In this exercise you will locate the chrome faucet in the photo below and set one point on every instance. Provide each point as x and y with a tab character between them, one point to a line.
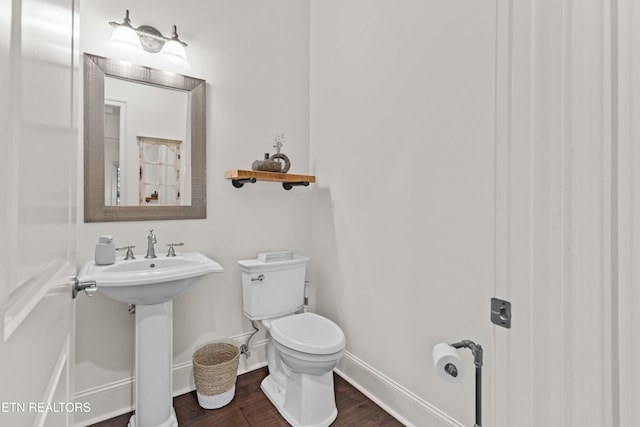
151	240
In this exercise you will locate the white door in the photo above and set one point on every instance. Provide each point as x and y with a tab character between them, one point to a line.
38	155
556	212
628	173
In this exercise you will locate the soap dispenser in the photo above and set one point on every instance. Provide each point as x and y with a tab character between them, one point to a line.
105	251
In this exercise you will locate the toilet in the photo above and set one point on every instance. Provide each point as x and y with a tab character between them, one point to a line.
303	348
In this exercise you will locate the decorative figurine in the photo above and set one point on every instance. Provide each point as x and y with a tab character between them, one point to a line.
273	163
266	165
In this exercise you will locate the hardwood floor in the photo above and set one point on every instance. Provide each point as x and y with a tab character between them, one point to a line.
250	407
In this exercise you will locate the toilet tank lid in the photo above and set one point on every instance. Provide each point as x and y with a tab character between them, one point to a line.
308	333
256	265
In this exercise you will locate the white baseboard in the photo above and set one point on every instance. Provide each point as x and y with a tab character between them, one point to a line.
106	401
110	400
391	396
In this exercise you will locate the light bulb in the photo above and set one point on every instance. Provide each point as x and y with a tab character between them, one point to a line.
175	51
126	37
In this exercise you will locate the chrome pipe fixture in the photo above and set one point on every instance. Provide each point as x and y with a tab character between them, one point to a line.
149	39
476	350
244	348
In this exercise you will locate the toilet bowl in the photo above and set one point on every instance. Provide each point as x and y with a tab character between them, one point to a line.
302	349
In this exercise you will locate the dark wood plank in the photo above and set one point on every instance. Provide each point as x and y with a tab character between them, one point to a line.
251	408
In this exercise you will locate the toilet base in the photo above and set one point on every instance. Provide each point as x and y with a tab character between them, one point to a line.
326	398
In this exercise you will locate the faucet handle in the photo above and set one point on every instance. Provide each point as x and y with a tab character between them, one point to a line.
172	251
129	254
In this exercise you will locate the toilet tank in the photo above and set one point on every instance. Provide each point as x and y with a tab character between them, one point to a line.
272	289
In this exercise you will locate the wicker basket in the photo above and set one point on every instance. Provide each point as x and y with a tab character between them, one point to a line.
215	368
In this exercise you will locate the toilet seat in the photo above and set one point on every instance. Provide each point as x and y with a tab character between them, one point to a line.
308	333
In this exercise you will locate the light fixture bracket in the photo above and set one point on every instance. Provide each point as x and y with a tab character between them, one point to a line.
150	38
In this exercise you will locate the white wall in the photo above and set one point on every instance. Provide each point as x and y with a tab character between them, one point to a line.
254	57
402	112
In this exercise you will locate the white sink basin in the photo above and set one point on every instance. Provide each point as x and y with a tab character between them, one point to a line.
148	281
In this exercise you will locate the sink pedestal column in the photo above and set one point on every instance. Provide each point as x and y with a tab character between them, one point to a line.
153	394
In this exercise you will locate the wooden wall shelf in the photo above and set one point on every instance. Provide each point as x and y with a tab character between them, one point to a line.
240	177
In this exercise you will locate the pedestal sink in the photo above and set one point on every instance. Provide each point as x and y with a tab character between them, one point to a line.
151	284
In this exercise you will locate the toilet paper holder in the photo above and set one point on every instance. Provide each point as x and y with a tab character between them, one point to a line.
476	350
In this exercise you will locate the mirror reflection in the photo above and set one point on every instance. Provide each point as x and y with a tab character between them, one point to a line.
146	145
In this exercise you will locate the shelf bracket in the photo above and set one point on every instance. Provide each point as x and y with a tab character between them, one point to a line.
238	183
289	185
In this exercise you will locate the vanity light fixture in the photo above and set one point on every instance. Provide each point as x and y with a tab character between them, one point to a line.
149	39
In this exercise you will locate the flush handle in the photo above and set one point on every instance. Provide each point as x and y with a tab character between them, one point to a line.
260	278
